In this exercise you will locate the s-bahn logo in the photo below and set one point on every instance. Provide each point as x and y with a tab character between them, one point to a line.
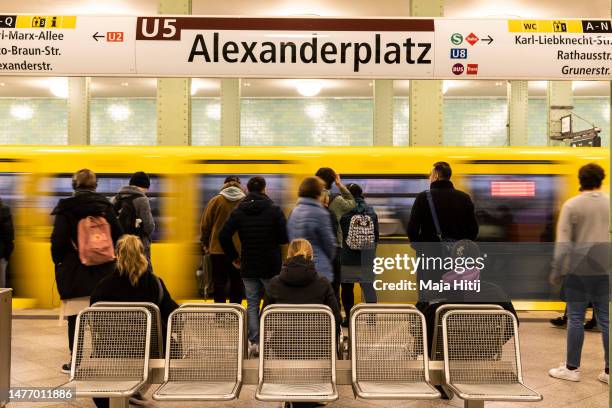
456	38
458	69
458	53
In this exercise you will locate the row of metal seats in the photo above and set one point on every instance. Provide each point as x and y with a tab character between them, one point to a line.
206	346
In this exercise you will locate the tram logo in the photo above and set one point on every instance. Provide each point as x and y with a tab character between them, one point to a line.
472	39
458	69
456	38
458	53
472	69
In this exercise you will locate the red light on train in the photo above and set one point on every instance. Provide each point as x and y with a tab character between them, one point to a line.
513	188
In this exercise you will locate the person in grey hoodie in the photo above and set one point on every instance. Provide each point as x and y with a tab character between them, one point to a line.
134	210
216	213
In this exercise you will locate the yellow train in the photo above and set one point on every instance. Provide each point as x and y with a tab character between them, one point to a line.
517	194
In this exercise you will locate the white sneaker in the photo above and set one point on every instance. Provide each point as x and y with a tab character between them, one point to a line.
563	373
253	350
603	377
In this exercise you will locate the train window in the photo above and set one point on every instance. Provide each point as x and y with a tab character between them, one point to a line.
209	185
514	208
392	197
9	189
60	186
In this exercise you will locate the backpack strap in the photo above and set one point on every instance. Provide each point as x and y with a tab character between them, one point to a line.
434	215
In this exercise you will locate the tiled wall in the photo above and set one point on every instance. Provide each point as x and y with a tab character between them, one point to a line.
315	122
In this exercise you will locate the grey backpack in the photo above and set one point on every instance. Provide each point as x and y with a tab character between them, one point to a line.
361	232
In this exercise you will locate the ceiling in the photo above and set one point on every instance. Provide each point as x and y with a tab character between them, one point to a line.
145	87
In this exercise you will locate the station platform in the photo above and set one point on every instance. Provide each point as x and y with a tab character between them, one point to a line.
39	349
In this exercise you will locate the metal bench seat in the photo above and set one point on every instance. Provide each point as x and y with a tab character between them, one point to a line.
297	360
111	351
205	348
495	392
389	353
205	390
482	359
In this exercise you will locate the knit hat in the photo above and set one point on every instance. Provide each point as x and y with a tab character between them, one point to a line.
140	179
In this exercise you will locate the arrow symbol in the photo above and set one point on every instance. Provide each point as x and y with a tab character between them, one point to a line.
488	40
97	35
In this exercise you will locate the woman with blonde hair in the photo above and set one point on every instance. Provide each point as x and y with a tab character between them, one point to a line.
299	282
133	279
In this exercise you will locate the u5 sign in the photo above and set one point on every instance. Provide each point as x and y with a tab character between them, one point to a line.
305	47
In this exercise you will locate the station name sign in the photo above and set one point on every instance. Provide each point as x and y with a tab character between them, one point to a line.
409	48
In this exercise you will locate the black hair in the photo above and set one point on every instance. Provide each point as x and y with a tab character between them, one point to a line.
328	175
465	249
591	175
443	170
355	190
256	184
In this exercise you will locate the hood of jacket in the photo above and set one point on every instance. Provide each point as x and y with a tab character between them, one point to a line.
126	191
309	201
83	204
255	203
298	271
232	193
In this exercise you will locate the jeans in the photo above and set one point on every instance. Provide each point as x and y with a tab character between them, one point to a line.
255	290
575	328
224	272
348	296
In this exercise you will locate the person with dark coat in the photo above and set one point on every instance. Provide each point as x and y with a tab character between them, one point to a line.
454	208
262	229
135	194
133	281
357	264
7	238
299	282
456	219
76	281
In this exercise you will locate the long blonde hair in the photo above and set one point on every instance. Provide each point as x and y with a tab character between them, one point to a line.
299	247
131	260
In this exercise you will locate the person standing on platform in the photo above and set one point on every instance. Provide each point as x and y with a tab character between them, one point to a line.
133	209
7	238
216	213
85	231
311	221
262	229
581	261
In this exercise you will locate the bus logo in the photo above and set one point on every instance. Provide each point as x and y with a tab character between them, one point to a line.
458	69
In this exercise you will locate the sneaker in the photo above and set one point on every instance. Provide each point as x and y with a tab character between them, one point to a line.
66	368
559	322
253	350
138	399
563	373
603	377
591	325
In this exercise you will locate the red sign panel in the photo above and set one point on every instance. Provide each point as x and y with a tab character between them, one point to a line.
472	69
513	188
114	36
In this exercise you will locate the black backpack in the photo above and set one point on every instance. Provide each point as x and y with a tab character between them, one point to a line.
126	214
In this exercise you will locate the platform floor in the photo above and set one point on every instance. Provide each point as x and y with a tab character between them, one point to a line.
39	349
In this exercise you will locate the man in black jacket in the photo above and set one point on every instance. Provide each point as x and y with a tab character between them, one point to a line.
262	229
75	281
455	212
454	208
7	236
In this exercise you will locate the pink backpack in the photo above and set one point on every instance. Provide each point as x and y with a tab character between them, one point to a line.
95	241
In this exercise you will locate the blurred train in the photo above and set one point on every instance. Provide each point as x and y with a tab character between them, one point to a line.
517	194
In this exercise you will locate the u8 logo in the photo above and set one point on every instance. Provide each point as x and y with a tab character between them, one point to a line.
458	53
